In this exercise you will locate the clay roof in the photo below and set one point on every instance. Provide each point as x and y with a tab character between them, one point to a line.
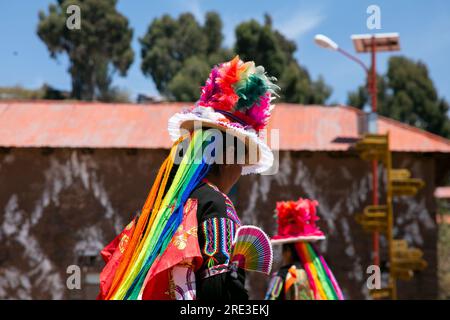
100	125
442	192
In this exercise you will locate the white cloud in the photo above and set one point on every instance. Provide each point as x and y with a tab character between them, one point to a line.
300	23
194	7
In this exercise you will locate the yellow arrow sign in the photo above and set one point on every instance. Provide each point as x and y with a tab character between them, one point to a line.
373	154
406	187
405	260
402	274
372	141
383	293
374	218
399	244
400	174
373	147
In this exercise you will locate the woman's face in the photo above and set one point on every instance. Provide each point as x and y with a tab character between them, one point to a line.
287	256
230	174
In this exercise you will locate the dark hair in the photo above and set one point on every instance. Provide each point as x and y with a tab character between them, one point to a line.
291	247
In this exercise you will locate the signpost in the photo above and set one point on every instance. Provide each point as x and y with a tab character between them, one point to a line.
403	260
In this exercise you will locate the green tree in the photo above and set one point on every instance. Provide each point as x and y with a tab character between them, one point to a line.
268	47
178	53
96	51
185	85
406	93
213	32
261	44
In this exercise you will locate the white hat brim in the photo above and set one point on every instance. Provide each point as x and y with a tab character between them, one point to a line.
297	239
212	119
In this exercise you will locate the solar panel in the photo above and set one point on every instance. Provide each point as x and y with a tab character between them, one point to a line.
383	42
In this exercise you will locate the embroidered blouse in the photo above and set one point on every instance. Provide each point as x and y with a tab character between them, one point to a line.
218	222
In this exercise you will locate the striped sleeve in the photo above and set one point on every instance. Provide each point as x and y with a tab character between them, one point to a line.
216	240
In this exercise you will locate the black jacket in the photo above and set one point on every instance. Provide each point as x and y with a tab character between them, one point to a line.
216	228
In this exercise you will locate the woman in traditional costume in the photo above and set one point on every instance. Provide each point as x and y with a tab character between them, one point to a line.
179	247
304	274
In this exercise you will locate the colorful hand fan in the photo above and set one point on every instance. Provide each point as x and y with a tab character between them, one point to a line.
252	250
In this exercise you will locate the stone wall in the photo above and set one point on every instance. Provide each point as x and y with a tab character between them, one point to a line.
61	206
342	185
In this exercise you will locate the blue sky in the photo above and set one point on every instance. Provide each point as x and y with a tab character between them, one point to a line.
424	28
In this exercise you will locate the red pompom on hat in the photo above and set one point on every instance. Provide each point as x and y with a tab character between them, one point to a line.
297	221
236	99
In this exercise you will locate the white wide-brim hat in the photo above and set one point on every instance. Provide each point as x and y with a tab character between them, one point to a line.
206	117
297	239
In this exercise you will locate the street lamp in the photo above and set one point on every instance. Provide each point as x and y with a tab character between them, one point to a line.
367	43
325	42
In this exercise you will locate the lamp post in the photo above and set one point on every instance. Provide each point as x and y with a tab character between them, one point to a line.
367	43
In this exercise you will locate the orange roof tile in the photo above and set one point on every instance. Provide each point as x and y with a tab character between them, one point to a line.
442	192
101	125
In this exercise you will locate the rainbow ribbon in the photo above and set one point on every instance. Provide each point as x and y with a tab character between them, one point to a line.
320	277
161	216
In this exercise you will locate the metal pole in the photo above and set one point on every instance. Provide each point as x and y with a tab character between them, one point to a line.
392	282
374	76
373	93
